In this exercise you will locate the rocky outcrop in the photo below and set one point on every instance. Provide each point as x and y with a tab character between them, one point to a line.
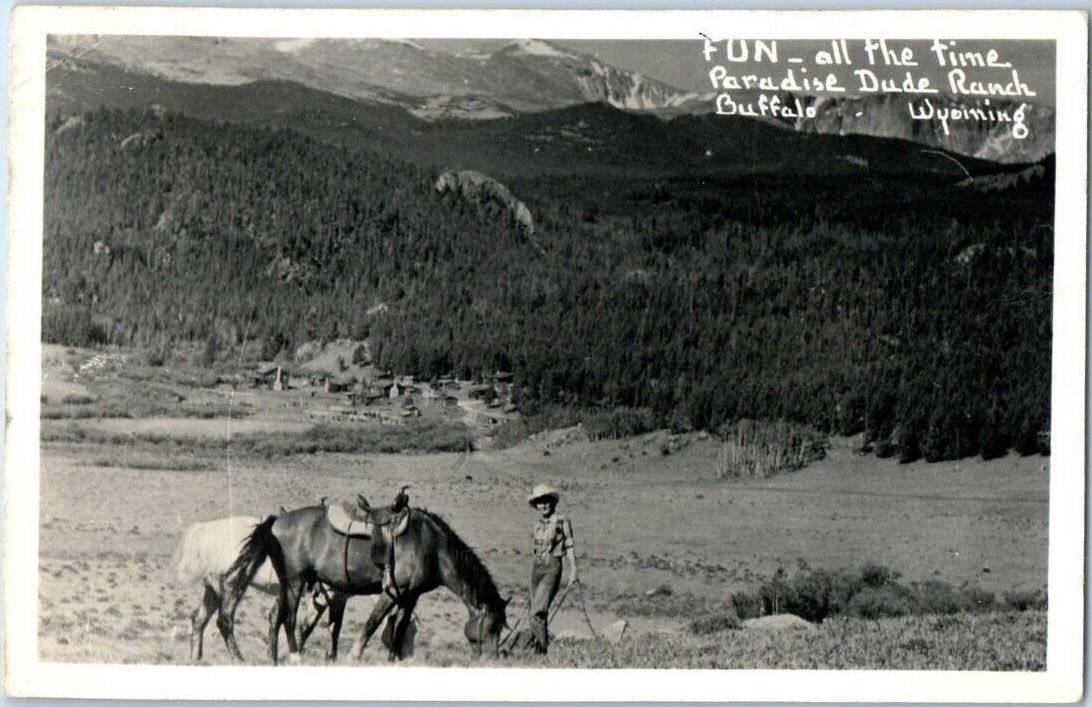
483	190
778	622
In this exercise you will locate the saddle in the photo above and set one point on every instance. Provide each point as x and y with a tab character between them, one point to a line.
379	525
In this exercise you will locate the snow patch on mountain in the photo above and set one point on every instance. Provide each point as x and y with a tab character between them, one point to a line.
628	90
536	47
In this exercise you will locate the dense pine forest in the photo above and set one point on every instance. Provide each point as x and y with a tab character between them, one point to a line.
909	308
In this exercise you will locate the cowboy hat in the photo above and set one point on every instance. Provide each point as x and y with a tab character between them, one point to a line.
542	491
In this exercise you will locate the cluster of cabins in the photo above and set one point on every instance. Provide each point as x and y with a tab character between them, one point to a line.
384	390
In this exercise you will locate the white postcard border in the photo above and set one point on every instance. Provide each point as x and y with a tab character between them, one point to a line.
26	676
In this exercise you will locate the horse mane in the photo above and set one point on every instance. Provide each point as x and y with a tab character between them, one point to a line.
470	571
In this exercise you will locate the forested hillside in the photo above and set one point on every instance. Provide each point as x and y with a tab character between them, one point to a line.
914	310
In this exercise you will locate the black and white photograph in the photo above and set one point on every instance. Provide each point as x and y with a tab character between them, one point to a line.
666	347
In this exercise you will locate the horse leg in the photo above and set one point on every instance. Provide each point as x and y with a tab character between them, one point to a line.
274	628
337	616
382	607
199	619
290	604
317	608
225	621
398	650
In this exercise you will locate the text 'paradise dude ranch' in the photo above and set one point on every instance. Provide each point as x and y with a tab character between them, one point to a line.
863	67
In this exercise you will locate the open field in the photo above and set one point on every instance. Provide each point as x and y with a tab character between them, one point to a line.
113	509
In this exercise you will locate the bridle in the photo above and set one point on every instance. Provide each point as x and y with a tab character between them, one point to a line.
484	614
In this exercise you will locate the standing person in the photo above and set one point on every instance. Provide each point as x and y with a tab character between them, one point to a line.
553	538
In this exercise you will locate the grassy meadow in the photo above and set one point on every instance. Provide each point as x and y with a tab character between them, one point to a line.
665	541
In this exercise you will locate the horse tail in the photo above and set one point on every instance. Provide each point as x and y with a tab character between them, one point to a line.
256	548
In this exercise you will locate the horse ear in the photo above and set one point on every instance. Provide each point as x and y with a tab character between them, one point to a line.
507	601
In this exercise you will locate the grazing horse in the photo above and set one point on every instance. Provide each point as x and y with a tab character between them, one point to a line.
204	556
423	556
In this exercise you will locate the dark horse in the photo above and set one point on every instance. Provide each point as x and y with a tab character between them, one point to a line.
304	549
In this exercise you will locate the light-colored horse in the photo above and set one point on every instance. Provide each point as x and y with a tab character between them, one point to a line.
203	557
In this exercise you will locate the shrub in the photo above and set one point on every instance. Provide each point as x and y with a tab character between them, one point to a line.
1024	599
873	575
85	412
717	623
156	356
813	595
763	449
510	433
819	594
882	602
977	598
777	596
747	606
424	436
885	448
873	592
934	597
77	399
619	422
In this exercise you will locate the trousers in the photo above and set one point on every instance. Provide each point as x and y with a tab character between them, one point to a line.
545	580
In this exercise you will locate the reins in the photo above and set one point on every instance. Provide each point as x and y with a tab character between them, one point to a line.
587	619
391	589
514	630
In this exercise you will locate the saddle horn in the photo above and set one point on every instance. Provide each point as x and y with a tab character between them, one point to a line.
401	499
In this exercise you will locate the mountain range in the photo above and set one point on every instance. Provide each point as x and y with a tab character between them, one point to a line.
409	83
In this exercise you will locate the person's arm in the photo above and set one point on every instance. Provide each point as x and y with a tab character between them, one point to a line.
570	551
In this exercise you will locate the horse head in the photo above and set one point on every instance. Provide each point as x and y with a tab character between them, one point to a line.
485	625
